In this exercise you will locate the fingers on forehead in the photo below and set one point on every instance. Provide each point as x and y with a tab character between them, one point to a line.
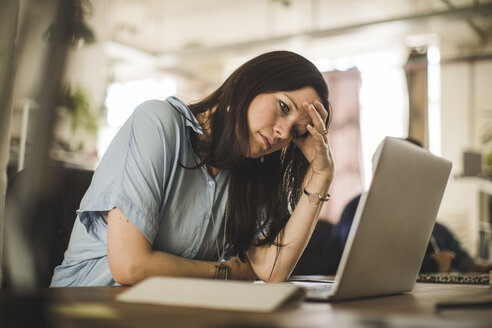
321	109
319	114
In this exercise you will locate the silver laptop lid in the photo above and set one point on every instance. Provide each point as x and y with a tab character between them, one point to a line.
393	222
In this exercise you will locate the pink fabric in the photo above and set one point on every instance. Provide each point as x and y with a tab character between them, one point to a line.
345	141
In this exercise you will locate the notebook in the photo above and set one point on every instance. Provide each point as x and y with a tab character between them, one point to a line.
391	228
213	294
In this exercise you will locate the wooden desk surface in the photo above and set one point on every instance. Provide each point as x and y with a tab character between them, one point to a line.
96	307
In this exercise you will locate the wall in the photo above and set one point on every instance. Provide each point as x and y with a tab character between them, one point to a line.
466	100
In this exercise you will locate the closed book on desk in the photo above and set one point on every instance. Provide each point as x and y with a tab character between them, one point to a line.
213	294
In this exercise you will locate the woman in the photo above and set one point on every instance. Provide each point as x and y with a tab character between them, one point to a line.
229	187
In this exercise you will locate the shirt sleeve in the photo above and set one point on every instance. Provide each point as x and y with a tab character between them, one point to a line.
461	259
132	174
429	264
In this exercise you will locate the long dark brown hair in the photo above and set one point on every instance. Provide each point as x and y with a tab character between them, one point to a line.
261	194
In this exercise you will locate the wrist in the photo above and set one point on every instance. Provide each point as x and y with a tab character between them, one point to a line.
319	183
239	270
315	198
222	271
316	186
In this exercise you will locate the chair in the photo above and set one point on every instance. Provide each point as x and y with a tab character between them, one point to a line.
48	220
314	259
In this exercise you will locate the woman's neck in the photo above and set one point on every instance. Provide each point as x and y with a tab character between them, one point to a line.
213	171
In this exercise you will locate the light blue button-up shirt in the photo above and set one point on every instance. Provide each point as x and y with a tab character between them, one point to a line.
175	208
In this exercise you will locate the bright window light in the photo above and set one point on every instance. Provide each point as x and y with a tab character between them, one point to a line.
383	104
383	98
434	96
123	98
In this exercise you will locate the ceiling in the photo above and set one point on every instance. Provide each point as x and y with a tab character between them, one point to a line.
190	36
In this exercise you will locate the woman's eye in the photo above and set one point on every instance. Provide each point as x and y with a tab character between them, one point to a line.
296	134
283	107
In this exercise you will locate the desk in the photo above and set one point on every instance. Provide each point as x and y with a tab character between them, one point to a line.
415	309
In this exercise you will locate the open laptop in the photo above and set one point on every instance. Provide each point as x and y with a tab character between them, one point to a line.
391	228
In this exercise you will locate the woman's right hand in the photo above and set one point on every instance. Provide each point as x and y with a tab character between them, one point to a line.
316	146
444	260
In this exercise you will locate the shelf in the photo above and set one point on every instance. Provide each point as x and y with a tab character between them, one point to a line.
485	186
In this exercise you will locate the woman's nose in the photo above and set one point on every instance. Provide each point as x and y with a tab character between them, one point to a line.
282	130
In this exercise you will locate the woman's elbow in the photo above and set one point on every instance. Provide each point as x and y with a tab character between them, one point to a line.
267	274
277	279
125	271
273	278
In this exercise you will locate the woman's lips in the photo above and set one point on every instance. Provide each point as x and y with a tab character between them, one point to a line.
266	141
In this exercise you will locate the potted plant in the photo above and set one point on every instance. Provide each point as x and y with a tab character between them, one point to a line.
77	125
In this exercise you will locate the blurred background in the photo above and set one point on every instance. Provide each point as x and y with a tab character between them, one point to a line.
419	68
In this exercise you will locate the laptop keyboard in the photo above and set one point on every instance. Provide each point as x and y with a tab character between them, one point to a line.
315	289
320	287
472	278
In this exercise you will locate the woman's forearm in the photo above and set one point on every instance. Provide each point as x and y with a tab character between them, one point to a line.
275	264
165	264
132	270
132	259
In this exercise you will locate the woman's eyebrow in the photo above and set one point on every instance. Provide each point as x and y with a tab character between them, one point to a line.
292	101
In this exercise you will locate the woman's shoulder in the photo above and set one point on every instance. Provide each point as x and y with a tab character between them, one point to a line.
158	109
169	112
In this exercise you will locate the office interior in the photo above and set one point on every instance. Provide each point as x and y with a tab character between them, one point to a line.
128	51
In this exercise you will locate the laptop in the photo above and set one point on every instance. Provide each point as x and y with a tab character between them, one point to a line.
391	228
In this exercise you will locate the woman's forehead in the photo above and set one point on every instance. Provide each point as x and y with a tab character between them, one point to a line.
304	94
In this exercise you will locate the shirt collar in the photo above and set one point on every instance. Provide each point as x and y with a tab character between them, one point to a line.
190	119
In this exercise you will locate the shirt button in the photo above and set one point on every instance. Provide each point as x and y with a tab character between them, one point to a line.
207	216
211	182
194	251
